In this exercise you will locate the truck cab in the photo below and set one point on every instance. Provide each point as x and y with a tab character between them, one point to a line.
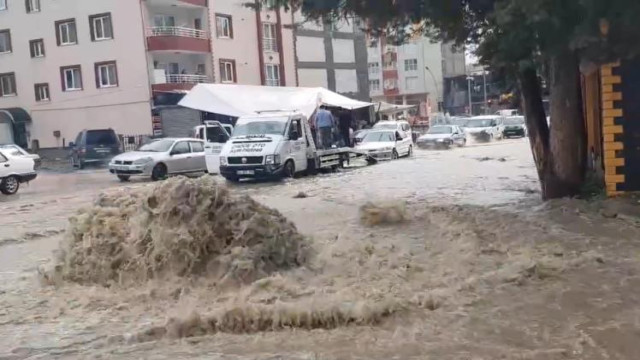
215	135
268	145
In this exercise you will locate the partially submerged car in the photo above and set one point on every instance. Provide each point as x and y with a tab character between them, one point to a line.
161	158
442	136
514	127
15	170
385	145
94	146
484	128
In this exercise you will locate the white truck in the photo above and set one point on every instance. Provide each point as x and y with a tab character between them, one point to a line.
278	144
215	135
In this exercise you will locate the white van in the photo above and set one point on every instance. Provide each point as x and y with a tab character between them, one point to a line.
215	135
275	145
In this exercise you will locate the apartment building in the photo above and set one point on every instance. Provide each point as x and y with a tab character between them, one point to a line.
332	55
66	65
412	73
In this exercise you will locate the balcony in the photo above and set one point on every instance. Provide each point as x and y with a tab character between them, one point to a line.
178	3
269	45
175	38
173	82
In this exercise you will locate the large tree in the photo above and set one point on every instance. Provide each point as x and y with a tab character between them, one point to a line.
521	37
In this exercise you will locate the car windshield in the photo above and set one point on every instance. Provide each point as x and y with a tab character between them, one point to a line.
101	137
385	136
440	130
13	150
514	121
157	146
260	127
386	126
479	123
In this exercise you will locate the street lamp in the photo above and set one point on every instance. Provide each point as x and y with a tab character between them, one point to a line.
469	80
435	82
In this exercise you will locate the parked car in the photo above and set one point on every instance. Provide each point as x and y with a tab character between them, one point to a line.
161	158
443	136
14	170
359	135
385	145
94	146
15	150
514	126
484	128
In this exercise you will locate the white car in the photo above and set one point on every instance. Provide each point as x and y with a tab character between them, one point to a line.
15	150
443	136
160	159
15	170
385	145
484	128
400	126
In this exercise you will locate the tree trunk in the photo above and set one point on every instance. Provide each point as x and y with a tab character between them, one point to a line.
568	134
536	121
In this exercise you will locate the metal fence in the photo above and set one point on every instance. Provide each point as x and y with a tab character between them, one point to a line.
133	142
177	31
187	78
270	45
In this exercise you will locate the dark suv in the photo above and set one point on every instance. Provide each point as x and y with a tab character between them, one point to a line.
94	146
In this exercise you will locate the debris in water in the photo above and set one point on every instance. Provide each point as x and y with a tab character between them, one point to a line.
301	195
180	227
383	214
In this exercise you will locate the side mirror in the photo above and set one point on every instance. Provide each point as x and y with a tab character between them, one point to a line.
72	144
294	135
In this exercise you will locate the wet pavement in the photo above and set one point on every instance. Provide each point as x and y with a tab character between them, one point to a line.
483	270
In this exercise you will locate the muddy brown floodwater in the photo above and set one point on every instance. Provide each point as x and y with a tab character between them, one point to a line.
480	269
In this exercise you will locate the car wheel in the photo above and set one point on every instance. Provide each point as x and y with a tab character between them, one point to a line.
289	169
394	154
10	185
159	172
124	178
410	153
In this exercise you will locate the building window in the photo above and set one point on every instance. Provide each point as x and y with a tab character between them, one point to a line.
71	78
269	41
66	32
37	48
3	5
224	27
32	6
42	92
411	65
101	27
106	74
411	82
272	73
8	84
227	71
374	68
374	85
5	41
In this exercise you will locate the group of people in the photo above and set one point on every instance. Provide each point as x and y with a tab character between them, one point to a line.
332	128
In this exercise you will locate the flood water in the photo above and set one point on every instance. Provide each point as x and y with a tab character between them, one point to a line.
481	270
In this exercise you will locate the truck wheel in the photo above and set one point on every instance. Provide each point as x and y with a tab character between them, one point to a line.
10	185
124	178
159	172
233	179
289	169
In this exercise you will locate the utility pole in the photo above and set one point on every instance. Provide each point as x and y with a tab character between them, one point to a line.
469	80
486	104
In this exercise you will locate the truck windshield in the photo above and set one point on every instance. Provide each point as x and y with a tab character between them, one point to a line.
260	127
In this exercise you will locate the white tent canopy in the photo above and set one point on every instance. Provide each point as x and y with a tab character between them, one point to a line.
386	108
242	100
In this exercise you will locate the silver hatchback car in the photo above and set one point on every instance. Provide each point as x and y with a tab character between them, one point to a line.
161	158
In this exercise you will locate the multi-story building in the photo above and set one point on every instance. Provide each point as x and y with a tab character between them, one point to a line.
68	65
332	55
412	73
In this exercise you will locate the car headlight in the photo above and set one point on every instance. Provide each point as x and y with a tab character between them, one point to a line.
272	159
142	161
223	161
441	140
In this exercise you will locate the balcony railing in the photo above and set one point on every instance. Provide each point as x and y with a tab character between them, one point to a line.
186	79
272	82
177	31
270	45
